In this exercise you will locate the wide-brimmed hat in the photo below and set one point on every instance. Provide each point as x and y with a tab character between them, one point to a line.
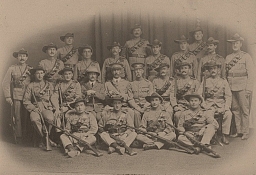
86	46
116	66
155	43
114	45
21	51
235	37
161	66
187	97
79	99
110	100
182	39
198	28
183	63
211	63
153	95
211	40
61	72
138	65
51	45
32	71
136	26
67	35
93	69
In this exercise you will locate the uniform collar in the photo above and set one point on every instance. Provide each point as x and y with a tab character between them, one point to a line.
116	80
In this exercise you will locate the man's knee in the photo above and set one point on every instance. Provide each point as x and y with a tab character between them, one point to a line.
48	115
34	117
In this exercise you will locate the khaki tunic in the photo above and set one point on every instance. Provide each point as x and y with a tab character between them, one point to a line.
63	51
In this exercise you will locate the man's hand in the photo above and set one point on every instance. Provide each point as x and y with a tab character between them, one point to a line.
91	92
64	109
9	100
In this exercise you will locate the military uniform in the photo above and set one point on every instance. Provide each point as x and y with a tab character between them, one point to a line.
165	88
42	91
125	71
137	91
218	98
183	87
239	68
200	124
52	67
155	61
95	102
14	85
154	121
179	56
68	54
83	126
115	123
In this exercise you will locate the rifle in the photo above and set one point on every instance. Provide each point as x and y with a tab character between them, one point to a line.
122	143
61	104
13	120
48	145
204	84
196	143
164	140
97	153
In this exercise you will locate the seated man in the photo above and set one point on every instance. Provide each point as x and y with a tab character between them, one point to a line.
154	121
164	86
113	129
81	124
64	93
218	96
137	91
199	123
94	92
37	101
118	86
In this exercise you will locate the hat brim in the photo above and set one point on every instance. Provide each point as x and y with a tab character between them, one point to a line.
193	32
134	29
72	105
15	54
80	49
61	72
62	38
110	47
32	71
214	42
187	97
233	40
178	66
87	72
158	69
45	48
180	41
148	98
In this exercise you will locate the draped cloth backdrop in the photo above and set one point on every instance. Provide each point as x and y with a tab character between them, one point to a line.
101	29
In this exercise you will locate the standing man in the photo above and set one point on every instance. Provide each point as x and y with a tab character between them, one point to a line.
14	85
37	101
164	86
68	54
93	92
80	74
51	65
199	123
81	124
153	61
115	49
218	96
119	86
154	121
136	49
113	129
65	93
211	55
198	45
137	91
184	84
183	56
239	67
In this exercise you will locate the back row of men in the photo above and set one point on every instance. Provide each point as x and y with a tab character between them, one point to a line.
61	79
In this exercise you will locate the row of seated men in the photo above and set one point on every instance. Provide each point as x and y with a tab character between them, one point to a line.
42	98
215	90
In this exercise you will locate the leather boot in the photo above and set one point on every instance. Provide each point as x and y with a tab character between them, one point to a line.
245	136
224	139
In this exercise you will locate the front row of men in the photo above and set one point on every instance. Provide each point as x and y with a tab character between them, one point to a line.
115	123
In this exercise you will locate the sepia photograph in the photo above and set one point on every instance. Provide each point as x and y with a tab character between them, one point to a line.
128	87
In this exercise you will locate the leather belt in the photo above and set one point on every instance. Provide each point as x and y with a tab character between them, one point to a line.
138	55
219	97
237	74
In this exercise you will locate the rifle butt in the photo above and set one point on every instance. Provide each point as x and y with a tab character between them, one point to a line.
47	141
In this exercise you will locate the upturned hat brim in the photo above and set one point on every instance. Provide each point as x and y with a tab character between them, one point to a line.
154	95
15	54
45	48
188	96
72	105
32	71
161	66
61	72
81	49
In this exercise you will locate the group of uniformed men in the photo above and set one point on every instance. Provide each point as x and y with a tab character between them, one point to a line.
133	90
